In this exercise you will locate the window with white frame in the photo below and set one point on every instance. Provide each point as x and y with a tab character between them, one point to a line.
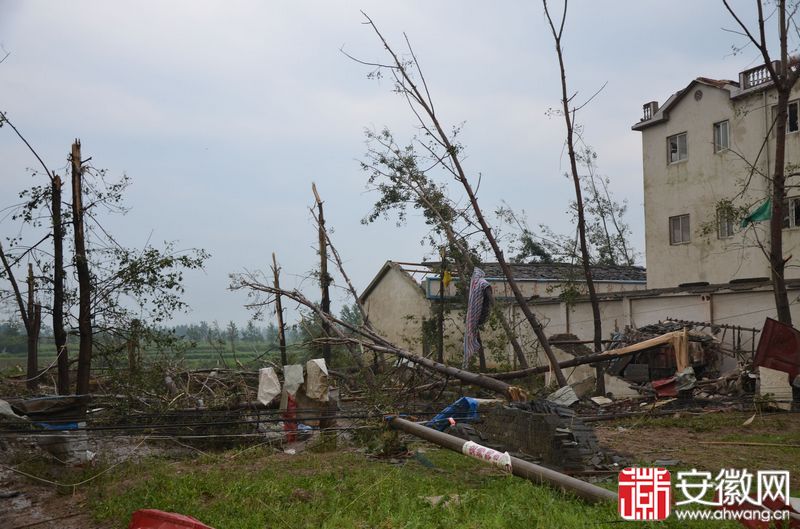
791	212
676	148
679	229
725	223
721	136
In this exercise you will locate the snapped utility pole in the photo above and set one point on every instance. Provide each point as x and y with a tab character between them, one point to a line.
324	278
276	272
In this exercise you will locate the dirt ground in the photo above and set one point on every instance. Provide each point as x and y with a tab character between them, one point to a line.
24	504
687	439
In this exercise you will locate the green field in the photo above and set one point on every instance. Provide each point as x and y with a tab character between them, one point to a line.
199	356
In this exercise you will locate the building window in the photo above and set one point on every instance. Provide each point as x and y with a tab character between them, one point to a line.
721	138
791	213
679	229
725	223
676	148
792	117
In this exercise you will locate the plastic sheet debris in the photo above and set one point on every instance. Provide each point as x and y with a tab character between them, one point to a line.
317	380
68	447
685	379
444	501
269	386
292	378
6	411
464	409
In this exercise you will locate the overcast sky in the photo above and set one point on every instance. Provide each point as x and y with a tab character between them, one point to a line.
223	113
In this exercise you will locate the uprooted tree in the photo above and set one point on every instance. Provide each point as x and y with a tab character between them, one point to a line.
355	336
409	82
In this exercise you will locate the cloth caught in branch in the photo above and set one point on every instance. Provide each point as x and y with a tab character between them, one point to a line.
478	304
447	277
764	212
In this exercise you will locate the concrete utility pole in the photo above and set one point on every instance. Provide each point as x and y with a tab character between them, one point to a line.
519	467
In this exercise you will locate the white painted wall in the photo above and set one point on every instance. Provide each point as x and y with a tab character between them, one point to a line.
696	185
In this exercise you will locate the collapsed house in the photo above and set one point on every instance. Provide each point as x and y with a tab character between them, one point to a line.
403	301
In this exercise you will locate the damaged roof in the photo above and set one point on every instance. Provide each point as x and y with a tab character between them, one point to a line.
561	271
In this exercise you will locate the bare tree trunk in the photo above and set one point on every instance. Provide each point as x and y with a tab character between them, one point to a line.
467	271
133	347
587	267
783	79
27	314
59	333
324	278
33	327
279	310
776	260
440	319
82	269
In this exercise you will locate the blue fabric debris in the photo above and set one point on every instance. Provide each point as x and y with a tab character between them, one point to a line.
59	426
464	409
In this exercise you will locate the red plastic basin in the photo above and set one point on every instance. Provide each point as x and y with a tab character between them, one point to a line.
155	519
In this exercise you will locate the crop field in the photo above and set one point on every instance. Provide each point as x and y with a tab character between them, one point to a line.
193	357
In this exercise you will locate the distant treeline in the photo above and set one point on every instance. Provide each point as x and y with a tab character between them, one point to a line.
251	333
13	339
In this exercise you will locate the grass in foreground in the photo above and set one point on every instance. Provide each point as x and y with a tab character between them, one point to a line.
345	489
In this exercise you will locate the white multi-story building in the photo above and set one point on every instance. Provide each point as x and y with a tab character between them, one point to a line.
709	143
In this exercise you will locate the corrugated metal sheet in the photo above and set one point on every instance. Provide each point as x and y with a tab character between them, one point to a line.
779	348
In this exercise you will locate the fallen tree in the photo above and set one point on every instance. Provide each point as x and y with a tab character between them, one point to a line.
362	336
